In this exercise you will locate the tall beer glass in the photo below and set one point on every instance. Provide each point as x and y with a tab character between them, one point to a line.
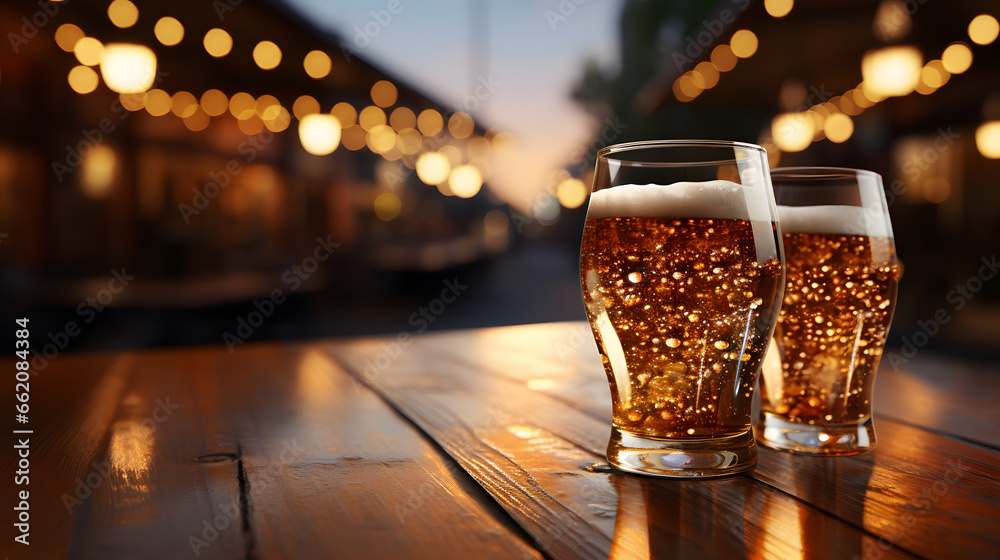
681	269
840	292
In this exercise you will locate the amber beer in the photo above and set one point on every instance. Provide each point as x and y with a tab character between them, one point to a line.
680	304
839	297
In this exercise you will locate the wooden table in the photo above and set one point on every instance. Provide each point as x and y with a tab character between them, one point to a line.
470	444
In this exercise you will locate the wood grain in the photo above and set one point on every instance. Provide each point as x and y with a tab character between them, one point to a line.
532	451
917	488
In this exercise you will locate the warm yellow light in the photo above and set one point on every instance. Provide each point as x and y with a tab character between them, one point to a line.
251	125
370	117
381	139
157	102
267	55
319	133
183	104
957	58
705	75
571	192
723	58
408	141
891	71
88	51
504	143
465	181
353	137
83	79
778	8
198	120
433	168
838	127
128	68
214	102
168	31
387	206
384	94
67	35
847	105
132	101
242	105
792	132
267	107
460	125
217	42
280	121
496	222
98	171
988	139
317	64
983	29
934	74
305	105
892	20
430	122
123	13
402	117
689	86
743	43
345	113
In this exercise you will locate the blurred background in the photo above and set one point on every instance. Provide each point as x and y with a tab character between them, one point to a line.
173	172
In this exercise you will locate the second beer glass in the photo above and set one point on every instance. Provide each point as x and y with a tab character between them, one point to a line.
681	270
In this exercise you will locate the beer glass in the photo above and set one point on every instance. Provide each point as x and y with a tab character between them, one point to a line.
681	270
840	292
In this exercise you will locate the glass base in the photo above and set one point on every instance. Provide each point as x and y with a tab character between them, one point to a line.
814	439
682	458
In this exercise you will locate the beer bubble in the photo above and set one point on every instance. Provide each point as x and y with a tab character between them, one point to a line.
693	318
721	344
635	277
699	266
673	342
814	402
678	275
634	416
828	417
818	318
690	431
884	304
716	270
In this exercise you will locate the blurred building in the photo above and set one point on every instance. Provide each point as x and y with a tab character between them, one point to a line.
171	139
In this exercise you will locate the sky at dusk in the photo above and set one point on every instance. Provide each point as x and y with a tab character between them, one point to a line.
529	52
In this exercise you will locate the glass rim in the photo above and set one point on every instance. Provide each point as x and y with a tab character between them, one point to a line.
820	172
604	152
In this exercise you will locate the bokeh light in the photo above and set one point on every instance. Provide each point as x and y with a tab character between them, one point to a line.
957	58
214	102
317	64
465	181
98	171
217	42
370	117
267	55
305	105
88	51
168	31
319	133
743	43
183	104
83	79
983	29
988	139
387	206
430	122
157	102
838	127
433	168
723	58
345	113
792	132
778	8
123	13
402	117
242	105
384	94
891	71
67	35
128	68
460	125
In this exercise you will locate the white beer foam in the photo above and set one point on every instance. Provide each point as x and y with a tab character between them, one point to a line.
834	220
710	199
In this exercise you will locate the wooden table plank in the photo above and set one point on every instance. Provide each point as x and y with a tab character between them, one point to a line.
900	482
532	453
330	467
